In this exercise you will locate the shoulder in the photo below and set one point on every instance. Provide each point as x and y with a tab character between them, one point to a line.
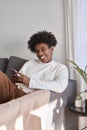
28	65
60	66
30	62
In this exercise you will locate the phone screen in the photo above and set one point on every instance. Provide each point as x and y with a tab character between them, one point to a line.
14	72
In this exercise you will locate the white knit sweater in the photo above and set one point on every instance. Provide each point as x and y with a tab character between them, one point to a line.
50	76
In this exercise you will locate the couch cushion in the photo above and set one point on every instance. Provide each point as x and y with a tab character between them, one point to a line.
16	63
3	64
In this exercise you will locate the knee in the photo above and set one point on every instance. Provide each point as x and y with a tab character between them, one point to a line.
2	75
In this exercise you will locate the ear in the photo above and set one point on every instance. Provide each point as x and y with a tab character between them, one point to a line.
52	48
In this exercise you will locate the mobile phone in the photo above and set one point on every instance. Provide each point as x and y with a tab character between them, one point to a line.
15	72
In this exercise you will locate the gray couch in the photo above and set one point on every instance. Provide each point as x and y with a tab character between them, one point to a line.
58	115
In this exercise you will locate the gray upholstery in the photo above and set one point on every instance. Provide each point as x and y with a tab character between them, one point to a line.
64	116
3	64
14	62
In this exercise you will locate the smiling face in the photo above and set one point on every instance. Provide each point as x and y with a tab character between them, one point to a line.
44	52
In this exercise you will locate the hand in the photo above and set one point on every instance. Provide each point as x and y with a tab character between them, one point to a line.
25	80
20	78
16	77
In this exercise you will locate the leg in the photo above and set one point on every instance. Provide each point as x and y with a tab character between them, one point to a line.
8	90
85	128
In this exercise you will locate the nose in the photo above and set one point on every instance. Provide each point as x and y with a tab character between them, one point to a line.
40	53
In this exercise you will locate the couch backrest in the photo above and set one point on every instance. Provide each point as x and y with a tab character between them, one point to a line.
3	64
16	63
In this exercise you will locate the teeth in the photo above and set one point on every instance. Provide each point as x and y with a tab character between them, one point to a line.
42	57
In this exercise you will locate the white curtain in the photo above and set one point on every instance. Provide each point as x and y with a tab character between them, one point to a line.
70	32
82	47
82	32
76	36
76	40
82	37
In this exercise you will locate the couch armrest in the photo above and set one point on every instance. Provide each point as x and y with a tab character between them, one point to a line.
26	110
40	110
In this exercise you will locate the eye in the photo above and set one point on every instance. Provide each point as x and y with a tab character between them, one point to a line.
37	51
43	49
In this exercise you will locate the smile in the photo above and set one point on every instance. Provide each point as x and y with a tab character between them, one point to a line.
42	57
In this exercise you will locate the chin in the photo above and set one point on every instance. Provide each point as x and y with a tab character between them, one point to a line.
45	61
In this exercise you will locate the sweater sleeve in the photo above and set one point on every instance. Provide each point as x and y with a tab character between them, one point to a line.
58	85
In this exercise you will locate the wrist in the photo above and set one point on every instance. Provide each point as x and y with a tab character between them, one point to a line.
25	80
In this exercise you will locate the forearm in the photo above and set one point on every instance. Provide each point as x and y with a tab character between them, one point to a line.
56	86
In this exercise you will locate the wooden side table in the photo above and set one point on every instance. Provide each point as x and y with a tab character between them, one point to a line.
78	112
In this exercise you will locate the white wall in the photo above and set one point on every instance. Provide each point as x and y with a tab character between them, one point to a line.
19	19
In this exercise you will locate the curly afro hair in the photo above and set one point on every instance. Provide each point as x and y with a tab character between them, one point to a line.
41	37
